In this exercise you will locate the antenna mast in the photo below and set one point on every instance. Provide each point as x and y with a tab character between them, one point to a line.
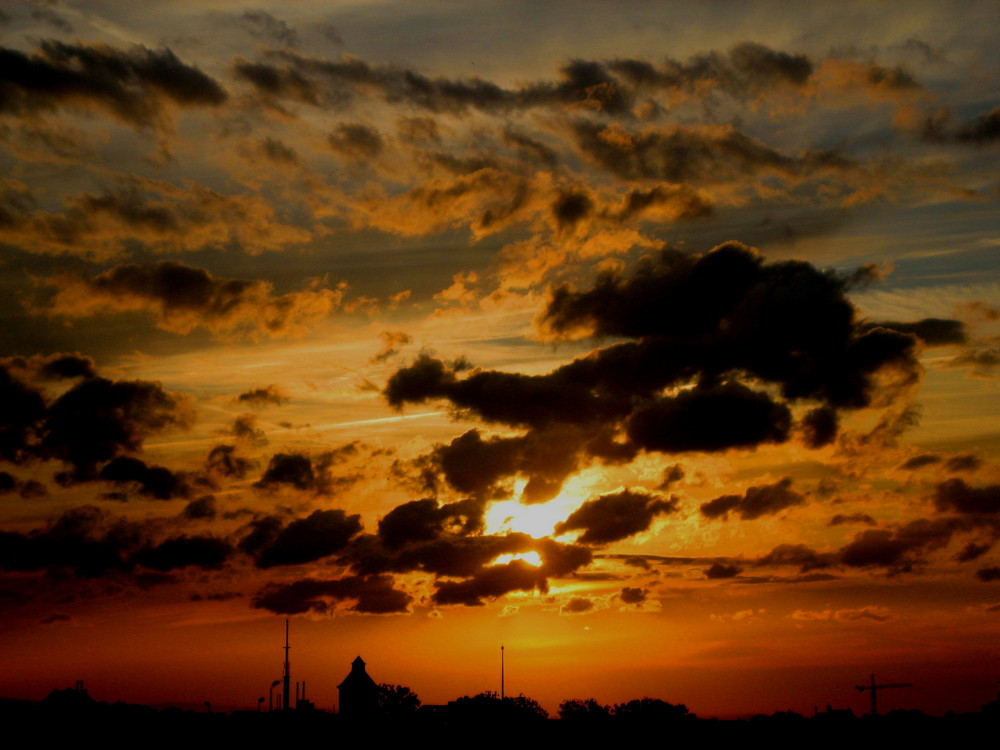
287	680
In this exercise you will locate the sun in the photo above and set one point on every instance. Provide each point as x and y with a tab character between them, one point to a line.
538	519
532	558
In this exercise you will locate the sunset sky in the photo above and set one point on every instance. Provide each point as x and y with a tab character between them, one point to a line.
657	341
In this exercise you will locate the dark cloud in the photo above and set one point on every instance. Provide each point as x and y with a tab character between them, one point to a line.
987	575
747	71
130	210
24	409
222	462
441	542
182	298
671	475
184	551
760	501
583	85
260	533
274	83
672	202
222	596
28	489
546	457
982	130
632	595
51	367
903	548
307	473
571	207
983	361
245	430
392	342
578	605
959	462
710	419
278	152
973	551
819	427
877	547
265	26
131	85
932	331
798	555
448	555
853	518
617	516
897	77
725	324
963	462
721	570
293	469
426	520
929	53
919	462
98	420
261	397
490	583
786	322
370	594
201	508
84	541
356	140
689	154
321	534
529	147
157	482
956	495
418	129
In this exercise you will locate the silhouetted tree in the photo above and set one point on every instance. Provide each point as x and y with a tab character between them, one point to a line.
584	710
487	706
651	709
523	707
397	700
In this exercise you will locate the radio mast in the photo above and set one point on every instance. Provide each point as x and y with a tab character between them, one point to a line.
287	680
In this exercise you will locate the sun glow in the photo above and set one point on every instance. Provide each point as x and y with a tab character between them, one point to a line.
537	519
532	558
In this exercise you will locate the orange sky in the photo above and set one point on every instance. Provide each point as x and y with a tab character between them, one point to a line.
657	342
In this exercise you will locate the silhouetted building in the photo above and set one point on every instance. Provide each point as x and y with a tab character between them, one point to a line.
358	692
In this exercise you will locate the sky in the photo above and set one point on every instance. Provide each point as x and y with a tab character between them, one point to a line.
657	342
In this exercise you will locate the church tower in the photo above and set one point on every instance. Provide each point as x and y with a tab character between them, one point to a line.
358	692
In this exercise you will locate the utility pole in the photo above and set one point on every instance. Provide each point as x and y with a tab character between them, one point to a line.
501	673
873	688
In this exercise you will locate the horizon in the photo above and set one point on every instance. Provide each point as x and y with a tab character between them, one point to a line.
658	342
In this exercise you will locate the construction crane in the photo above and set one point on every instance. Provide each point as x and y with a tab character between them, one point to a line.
874	688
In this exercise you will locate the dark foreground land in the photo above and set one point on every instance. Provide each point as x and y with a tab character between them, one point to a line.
121	724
